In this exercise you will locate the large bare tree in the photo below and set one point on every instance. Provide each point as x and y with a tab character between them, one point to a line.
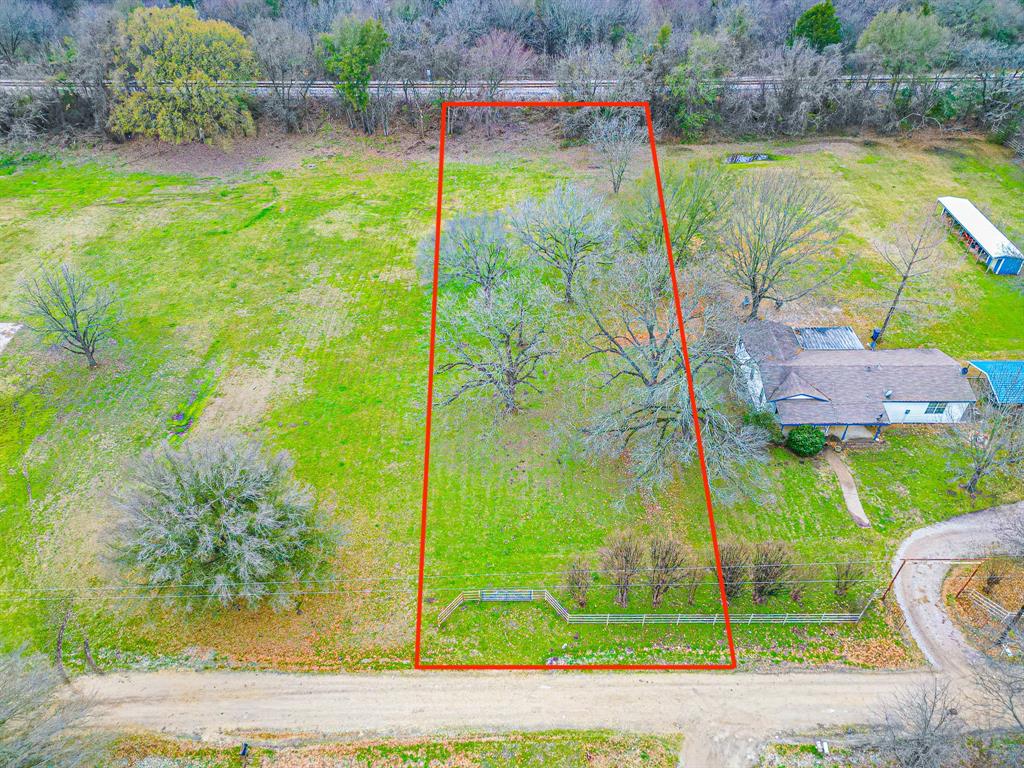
475	251
40	725
616	137
695	203
782	222
66	307
920	727
647	412
992	443
567	230
910	252
495	344
288	62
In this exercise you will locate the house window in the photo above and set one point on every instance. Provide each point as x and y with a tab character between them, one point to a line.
936	408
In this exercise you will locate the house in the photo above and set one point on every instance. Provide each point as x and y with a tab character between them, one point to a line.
1005	379
825	377
980	235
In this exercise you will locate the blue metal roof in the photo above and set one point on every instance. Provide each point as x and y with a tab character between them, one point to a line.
1006	377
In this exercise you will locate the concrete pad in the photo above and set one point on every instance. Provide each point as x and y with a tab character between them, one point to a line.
7	331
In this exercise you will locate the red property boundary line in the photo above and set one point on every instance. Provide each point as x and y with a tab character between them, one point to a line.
417	662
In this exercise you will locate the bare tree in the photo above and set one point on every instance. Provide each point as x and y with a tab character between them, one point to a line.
668	561
735	557
68	308
648	413
772	566
567	230
583	75
497	57
622	559
781	221
1001	685
991	444
475	250
578	578
920	727
40	725
694	204
616	137
497	343
24	27
845	576
287	60
911	252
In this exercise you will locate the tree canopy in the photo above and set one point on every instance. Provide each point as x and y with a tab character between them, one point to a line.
350	53
819	26
904	42
166	72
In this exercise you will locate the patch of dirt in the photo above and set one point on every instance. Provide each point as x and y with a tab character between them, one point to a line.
245	394
265	152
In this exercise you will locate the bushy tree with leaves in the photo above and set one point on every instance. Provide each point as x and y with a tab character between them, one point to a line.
819	26
219	520
349	54
166	74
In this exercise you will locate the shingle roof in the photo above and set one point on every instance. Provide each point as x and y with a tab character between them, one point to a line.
853	382
1006	377
986	233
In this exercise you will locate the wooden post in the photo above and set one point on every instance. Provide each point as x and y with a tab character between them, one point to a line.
961	590
885	594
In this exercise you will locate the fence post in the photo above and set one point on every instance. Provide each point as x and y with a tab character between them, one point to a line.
961	590
885	594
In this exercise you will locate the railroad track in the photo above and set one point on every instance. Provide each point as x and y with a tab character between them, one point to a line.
538	89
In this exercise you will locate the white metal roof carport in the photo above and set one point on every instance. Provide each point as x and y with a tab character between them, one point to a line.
977	225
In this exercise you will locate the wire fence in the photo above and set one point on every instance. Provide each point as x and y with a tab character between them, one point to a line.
643	619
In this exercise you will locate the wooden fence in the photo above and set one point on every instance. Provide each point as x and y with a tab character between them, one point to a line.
542	595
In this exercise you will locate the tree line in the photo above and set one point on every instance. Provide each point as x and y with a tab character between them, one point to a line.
152	70
661	564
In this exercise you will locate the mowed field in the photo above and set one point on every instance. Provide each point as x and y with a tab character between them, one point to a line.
284	304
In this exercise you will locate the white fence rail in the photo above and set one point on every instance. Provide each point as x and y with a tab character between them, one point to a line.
991	607
643	619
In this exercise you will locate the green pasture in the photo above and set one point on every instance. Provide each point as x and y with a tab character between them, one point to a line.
284	304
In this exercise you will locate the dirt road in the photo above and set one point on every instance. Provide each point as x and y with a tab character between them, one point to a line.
724	717
919	586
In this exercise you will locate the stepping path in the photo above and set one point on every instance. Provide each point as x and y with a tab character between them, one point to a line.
848	486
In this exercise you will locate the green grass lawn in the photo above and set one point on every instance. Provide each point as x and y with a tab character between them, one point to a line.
284	304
